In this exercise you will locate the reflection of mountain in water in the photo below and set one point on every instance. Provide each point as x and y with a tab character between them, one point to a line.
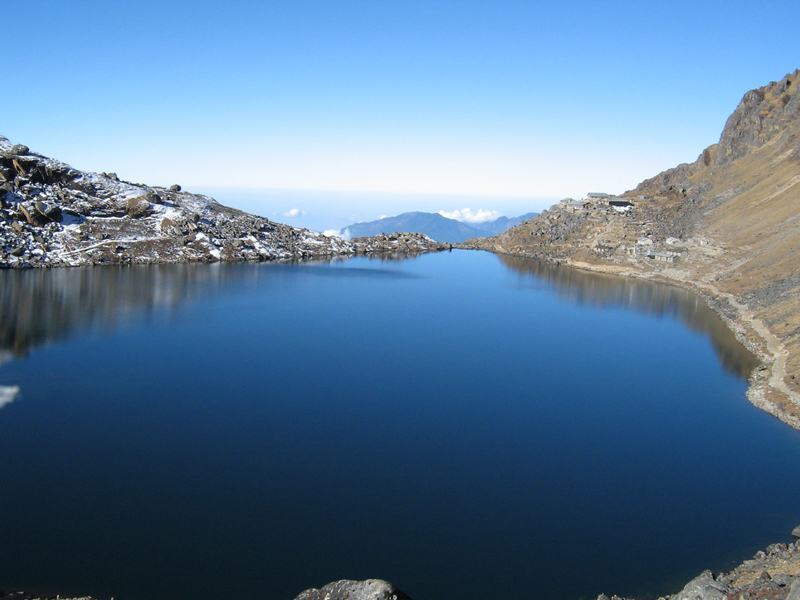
38	305
659	299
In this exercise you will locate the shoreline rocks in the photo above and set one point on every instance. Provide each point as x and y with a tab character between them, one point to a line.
773	574
371	589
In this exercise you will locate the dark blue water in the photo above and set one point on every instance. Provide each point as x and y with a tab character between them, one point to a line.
460	425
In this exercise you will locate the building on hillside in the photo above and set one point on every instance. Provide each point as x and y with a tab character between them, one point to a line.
597	196
668	257
620	204
577	205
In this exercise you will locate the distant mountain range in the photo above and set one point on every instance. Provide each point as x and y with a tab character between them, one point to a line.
435	226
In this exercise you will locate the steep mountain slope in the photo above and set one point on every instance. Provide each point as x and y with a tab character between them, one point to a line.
727	225
53	215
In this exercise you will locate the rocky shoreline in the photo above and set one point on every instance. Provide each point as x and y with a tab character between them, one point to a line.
742	321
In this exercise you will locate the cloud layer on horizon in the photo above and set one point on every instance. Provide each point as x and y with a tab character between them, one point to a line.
466	215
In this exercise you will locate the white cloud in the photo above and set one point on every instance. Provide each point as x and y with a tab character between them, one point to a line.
7	394
466	215
331	233
295	212
345	234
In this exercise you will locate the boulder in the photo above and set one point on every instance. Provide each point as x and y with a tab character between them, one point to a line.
33	216
25	213
175	188
19	150
794	591
371	589
704	587
54	213
138	207
19	168
796	532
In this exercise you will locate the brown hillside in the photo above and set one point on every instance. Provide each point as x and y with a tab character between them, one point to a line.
727	225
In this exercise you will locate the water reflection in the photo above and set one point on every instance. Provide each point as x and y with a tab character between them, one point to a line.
39	306
596	289
7	394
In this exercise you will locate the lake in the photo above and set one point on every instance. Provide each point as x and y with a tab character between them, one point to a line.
460	424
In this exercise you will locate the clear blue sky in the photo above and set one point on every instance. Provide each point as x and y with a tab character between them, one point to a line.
496	105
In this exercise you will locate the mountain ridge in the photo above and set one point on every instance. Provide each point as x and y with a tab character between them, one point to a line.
435	225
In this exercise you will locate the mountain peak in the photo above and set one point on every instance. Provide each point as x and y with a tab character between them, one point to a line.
763	115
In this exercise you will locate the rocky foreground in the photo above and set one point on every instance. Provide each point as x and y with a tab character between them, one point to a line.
726	226
52	215
773	574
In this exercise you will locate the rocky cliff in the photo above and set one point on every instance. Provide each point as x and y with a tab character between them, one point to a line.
727	226
52	215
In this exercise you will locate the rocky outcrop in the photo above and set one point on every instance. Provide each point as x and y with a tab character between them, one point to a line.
773	575
397	243
371	589
762	116
52	215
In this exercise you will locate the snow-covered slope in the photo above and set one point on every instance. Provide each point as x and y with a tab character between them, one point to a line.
53	215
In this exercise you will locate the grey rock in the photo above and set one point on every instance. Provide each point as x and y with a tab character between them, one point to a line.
704	587
796	532
19	150
371	589
776	548
175	188
763	582
138	207
794	591
54	214
783	579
